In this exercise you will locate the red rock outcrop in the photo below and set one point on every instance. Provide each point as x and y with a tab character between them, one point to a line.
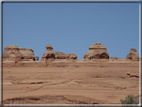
12	53
96	51
36	58
115	59
71	56
133	75
28	54
59	55
49	48
133	55
50	55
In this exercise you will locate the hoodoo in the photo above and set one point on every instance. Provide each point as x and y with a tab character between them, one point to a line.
96	51
133	55
49	48
50	55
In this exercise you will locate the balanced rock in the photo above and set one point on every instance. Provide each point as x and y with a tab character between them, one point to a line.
48	54
133	55
96	51
49	48
12	53
28	54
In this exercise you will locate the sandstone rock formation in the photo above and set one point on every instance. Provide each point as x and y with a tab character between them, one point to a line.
50	55
28	54
12	53
36	58
133	55
115	59
59	55
133	75
71	56
47	55
49	48
96	51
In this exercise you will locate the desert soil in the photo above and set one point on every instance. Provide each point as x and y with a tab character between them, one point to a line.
97	83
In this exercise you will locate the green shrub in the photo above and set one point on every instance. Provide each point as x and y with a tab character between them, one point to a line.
129	100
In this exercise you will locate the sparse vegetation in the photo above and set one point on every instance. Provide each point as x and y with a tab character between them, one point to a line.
129	100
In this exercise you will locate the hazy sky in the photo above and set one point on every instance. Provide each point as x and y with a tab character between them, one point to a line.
72	27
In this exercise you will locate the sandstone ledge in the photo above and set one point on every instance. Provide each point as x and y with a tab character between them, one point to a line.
65	63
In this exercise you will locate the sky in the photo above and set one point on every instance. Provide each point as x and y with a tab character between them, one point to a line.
72	27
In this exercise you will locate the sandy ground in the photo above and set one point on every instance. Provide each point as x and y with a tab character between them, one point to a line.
78	84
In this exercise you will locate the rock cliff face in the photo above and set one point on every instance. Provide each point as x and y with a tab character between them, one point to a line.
133	55
50	55
96	51
14	53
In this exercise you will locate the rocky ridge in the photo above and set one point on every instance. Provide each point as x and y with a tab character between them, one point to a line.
50	55
97	52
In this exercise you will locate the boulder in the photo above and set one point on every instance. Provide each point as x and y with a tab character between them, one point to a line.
12	53
36	58
96	51
59	55
28	54
49	48
115	59
70	56
133	55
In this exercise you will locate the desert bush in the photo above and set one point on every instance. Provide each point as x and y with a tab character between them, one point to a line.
129	100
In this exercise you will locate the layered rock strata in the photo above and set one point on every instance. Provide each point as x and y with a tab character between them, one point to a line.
14	53
28	54
115	59
96	51
50	55
133	55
